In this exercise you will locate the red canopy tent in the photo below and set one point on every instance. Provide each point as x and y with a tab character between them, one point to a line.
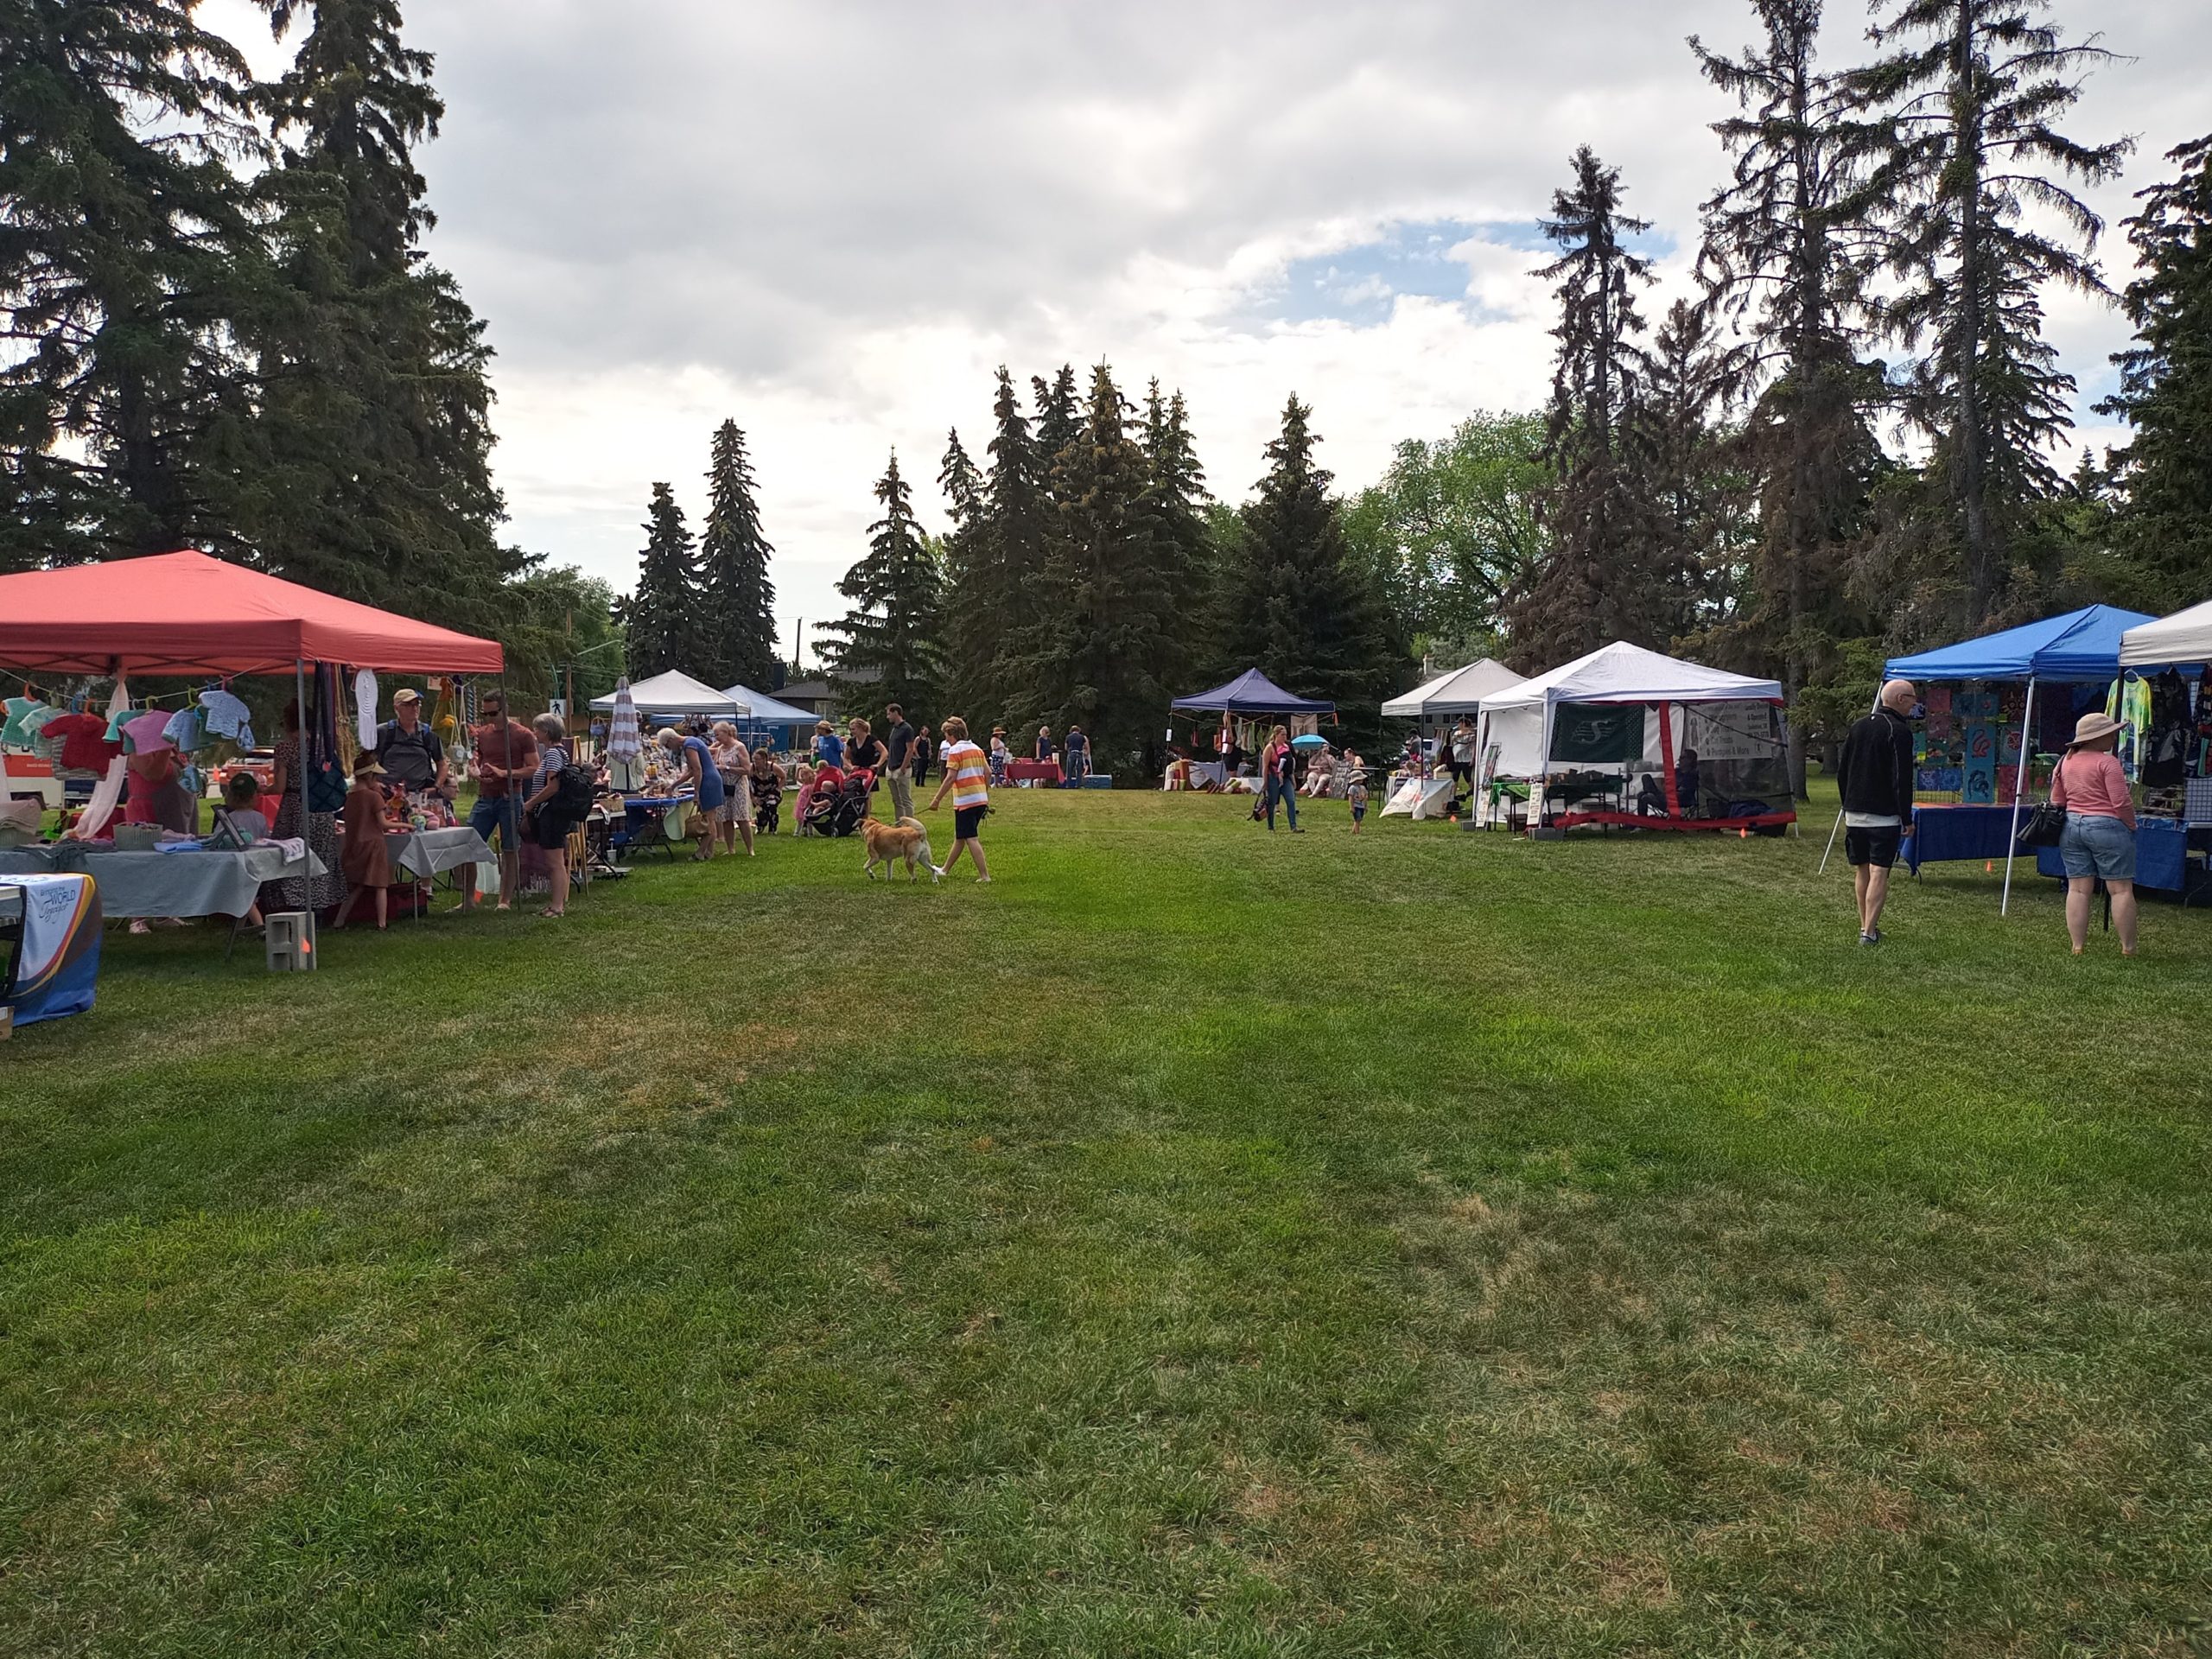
186	614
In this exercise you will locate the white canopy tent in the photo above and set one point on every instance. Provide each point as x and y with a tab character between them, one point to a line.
1563	718
676	693
1460	692
2184	637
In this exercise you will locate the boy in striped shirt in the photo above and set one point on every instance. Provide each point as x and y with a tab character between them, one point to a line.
967	774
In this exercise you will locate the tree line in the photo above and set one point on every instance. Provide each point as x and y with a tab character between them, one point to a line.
1086	575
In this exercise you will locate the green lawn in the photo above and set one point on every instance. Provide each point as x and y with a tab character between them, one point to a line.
1195	1241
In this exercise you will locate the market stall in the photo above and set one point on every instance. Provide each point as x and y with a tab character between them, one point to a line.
1250	706
667	698
187	615
769	719
1631	737
1998	709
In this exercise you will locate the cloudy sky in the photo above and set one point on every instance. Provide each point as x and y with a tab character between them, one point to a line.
831	220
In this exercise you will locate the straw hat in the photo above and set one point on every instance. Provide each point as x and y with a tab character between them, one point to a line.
367	767
2092	727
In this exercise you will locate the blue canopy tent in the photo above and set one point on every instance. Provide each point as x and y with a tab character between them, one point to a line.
1251	694
766	714
2081	646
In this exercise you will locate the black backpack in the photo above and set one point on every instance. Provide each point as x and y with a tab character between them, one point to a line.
573	798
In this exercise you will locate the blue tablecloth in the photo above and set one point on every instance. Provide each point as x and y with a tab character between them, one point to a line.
2161	862
1946	834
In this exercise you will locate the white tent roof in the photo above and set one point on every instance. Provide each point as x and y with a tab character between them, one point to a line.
1621	672
2184	637
1459	692
678	693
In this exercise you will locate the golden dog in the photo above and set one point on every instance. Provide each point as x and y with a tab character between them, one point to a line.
887	843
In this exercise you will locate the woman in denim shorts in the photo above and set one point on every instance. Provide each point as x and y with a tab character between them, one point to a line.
2099	837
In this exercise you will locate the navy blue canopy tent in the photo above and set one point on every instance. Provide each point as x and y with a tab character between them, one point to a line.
1251	693
2081	646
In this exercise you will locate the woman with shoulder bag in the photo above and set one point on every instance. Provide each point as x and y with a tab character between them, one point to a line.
2099	840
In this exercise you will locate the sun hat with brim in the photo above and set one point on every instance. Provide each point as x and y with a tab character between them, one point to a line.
368	766
2090	727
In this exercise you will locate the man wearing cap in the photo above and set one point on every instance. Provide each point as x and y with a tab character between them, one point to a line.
409	750
1874	778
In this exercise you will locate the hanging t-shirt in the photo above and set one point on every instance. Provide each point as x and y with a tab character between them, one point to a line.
85	745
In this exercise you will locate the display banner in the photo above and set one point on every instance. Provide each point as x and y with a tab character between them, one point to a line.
1598	733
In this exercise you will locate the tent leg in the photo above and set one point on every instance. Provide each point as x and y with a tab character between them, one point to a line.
1667	758
2020	788
299	698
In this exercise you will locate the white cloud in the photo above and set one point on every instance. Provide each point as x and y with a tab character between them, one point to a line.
831	221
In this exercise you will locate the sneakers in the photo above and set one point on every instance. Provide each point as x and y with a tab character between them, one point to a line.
1875	937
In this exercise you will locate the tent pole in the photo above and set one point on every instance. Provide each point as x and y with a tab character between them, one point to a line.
1667	757
2019	789
1836	828
300	700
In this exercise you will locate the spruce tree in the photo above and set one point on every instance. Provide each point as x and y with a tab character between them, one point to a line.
1177	500
662	621
970	638
2165	531
737	599
1299	609
1969	94
1679	435
1006	595
1059	418
887	648
1100	655
368	470
128	248
1778	261
1613	570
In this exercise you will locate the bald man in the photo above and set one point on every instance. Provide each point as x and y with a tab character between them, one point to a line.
1874	780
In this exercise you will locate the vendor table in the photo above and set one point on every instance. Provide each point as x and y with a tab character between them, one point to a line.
202	881
1944	835
424	854
651	820
1034	772
2161	855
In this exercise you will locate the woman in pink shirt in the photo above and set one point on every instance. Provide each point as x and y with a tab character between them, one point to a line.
2100	838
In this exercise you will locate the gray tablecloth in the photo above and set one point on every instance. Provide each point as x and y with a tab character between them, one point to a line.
423	853
205	883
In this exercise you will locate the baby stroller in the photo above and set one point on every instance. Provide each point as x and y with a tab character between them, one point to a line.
767	800
849	805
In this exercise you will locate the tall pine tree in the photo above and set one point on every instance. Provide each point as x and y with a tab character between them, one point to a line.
1299	609
887	647
128	246
737	599
2166	390
662	621
1182	548
1970	92
368	470
970	638
1613	570
1776	258
1100	654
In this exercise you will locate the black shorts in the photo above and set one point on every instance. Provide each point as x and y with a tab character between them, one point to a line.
1878	847
549	830
966	820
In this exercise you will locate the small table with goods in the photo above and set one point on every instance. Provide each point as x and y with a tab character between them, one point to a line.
1034	772
1944	833
425	855
184	878
650	822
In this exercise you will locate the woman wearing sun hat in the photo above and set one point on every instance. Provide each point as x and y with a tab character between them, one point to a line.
2099	837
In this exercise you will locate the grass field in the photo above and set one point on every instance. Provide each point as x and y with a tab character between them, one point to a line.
1194	1243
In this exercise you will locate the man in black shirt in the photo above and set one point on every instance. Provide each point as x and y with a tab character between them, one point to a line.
1873	778
408	749
898	759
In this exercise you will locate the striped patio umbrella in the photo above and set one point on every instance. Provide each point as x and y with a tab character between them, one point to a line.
623	739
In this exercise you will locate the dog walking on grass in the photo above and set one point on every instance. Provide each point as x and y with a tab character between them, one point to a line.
887	843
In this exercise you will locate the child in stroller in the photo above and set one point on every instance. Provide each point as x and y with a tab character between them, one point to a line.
849	805
768	792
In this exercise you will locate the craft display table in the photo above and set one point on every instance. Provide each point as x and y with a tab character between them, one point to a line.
425	855
2161	856
1034	772
1946	834
194	882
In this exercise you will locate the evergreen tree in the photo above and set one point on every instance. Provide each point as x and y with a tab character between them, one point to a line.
1098	656
662	621
1969	94
1177	500
1004	594
1613	570
1776	257
1680	448
737	599
2165	531
1059	418
1300	610
970	638
128	245
367	470
887	647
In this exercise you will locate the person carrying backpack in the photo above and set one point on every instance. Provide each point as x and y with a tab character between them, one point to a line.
560	795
